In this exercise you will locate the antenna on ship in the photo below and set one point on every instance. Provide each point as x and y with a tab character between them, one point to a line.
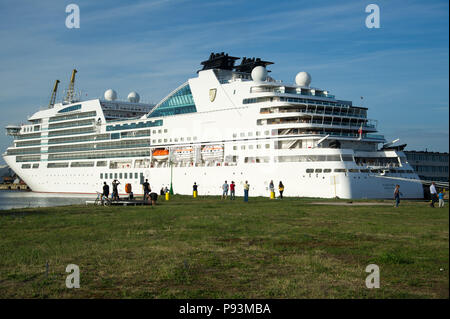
53	98
70	90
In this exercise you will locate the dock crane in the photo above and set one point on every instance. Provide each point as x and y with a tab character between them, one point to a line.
53	98
70	90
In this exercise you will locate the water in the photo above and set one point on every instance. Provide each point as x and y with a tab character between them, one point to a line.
21	199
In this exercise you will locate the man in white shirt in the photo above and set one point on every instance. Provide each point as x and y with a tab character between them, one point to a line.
433	194
225	190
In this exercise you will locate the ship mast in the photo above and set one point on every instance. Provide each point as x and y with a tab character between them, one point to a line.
53	98
70	90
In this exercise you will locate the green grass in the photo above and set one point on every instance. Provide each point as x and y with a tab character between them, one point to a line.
208	248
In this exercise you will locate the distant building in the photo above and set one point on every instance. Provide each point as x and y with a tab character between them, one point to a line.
430	166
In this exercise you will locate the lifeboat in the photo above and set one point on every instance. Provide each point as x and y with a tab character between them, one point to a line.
212	151
184	153
160	155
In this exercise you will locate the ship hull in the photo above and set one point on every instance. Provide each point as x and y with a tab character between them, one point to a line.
211	178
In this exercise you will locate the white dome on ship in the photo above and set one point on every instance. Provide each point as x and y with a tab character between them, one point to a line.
259	74
133	97
110	95
303	79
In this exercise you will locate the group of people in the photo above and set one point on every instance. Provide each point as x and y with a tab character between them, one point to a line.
435	196
280	188
115	192
229	187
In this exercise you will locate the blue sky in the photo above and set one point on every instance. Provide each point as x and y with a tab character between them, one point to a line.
401	69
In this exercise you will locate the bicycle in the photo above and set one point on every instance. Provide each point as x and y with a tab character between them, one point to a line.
102	200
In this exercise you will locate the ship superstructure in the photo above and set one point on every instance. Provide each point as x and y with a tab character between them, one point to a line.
230	122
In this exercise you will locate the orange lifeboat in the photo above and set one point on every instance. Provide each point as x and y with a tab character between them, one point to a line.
160	155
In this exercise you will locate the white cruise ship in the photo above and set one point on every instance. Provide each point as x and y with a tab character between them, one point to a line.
231	122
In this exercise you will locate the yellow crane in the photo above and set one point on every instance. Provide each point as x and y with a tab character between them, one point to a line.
53	98
70	90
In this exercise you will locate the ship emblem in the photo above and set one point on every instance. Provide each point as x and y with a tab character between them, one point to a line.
212	94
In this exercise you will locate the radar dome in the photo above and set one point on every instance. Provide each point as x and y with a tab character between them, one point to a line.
303	79
110	95
133	97
259	74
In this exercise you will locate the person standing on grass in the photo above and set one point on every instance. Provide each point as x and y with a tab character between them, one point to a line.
271	187
146	188
433	193
195	188
232	190
441	199
397	194
105	190
225	190
115	184
246	189
281	189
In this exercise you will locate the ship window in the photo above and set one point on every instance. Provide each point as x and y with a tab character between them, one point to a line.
26	165
353	170
120	175
340	170
106	175
125	175
234	135
258	146
101	163
165	140
318	170
176	140
182	139
101	175
110	175
309	170
267	145
250	147
327	170
159	141
180	102
35	165
195	138
165	131
258	133
234	148
136	175
250	134
242	134
347	157
154	131
364	171
115	175
242	147
188	138
266	132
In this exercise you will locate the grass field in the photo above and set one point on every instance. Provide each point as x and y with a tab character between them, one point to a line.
208	248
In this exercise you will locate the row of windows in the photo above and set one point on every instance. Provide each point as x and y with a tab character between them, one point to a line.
70	108
95	155
170	140
72	116
427	157
121	175
355	170
433	169
29	166
250	134
71	124
130	126
100	146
